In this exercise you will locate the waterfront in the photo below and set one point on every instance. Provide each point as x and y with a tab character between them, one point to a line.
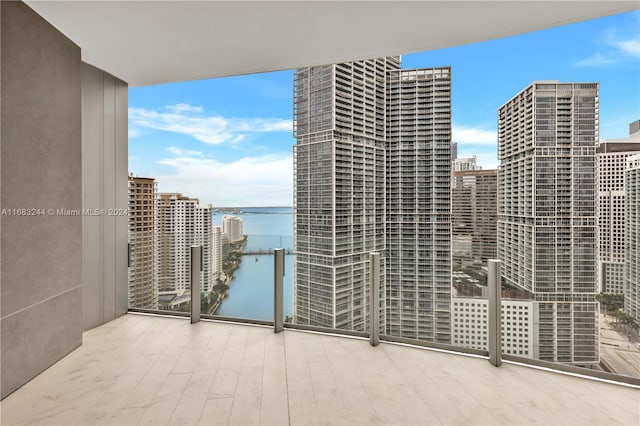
250	294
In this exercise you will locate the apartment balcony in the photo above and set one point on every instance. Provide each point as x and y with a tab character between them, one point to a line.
63	275
141	369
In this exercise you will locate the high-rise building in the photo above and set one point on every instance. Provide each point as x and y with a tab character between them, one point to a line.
181	223
632	238
339	189
454	151
216	253
418	194
225	247
465	163
546	212
142	270
611	158
474	217
372	171
232	226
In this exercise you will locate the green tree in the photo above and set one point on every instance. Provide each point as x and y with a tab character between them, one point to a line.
610	303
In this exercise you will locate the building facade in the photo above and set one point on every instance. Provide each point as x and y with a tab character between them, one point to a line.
474	217
181	223
371	172
632	238
418	207
216	253
232	226
142	271
546	213
465	163
611	164
339	169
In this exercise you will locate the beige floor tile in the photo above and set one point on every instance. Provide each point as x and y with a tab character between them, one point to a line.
216	411
152	370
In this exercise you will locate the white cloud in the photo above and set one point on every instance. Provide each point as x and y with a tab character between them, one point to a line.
184	108
133	132
250	181
630	47
596	60
188	120
616	47
474	136
182	152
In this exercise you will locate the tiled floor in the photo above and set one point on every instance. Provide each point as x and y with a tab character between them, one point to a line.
152	370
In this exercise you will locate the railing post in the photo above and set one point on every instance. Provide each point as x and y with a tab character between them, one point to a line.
196	267
374	299
495	313
278	278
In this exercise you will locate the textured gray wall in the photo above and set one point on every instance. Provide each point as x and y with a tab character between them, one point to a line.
104	186
41	266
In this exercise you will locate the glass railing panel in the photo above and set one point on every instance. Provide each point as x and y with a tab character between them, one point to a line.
247	291
236	278
244	287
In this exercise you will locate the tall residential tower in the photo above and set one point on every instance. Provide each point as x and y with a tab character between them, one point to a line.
418	194
232	226
143	293
632	238
546	213
181	223
611	164
339	189
371	172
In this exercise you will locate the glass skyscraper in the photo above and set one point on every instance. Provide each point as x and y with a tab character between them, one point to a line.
546	213
632	238
372	173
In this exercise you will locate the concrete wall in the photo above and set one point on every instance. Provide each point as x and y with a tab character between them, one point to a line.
40	145
104	187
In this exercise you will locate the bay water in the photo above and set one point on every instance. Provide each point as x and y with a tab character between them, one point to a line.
250	293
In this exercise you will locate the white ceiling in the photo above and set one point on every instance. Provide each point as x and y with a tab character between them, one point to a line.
150	42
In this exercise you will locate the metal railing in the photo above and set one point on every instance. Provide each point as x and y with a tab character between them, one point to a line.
494	354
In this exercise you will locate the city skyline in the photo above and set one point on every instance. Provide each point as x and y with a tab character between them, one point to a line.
236	131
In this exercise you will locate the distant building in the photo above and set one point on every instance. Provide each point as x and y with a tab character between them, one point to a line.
225	247
232	226
454	151
470	322
474	216
632	238
216	252
547	138
181	223
142	269
466	163
611	164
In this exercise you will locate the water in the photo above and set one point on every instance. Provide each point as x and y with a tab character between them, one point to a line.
251	292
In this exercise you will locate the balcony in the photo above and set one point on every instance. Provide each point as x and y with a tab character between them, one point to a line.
141	369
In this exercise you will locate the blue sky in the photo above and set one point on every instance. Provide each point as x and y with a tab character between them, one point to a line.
228	141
